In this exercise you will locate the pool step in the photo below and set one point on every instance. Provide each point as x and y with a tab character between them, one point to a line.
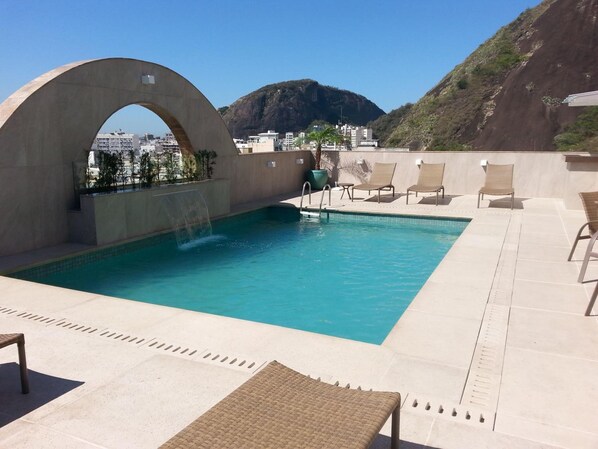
309	213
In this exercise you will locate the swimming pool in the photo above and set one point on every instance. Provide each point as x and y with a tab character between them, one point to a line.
347	275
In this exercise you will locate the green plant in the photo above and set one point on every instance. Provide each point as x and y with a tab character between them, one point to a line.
462	83
171	167
121	169
204	163
132	161
189	167
581	134
551	101
147	170
199	165
108	170
320	136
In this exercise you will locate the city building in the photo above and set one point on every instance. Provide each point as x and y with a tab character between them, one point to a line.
263	142
117	141
289	141
359	136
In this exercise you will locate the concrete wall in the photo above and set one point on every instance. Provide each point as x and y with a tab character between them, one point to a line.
253	179
47	125
536	174
113	217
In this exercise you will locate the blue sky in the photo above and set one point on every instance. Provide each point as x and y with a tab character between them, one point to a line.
391	51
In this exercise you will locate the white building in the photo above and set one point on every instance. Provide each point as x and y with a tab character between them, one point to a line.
360	136
263	142
117	141
289	141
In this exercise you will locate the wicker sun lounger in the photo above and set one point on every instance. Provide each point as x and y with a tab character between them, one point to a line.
499	181
19	340
280	408
590	206
380	179
429	180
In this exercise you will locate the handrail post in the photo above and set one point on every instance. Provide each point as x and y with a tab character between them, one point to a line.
306	183
326	187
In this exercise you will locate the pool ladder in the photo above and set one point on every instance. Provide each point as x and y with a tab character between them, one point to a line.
308	213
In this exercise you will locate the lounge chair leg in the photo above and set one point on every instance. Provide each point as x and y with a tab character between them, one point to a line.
512	200
437	197
443	192
352	196
407	196
479	194
379	196
586	259
577	239
592	301
23	366
395	428
574	246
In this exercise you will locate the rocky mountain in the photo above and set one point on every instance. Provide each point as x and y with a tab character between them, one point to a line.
293	105
507	95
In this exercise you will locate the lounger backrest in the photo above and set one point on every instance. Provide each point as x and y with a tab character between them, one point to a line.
499	176
590	206
382	173
431	175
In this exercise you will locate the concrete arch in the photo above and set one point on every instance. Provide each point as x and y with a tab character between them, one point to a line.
47	124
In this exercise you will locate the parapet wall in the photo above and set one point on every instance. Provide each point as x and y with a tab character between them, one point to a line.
536	174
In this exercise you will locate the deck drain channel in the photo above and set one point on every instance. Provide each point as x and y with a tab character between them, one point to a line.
483	381
460	413
110	334
229	361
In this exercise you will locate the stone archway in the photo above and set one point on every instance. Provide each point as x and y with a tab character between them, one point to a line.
48	124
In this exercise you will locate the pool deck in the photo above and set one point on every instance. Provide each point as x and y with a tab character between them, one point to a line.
496	339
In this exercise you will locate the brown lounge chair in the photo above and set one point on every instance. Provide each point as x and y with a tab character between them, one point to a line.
380	179
19	340
499	181
590	206
280	408
429	180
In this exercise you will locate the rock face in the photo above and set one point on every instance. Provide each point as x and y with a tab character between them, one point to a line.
293	105
507	94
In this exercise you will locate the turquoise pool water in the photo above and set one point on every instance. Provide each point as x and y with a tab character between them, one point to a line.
347	275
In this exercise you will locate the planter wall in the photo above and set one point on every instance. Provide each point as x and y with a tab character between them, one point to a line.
112	217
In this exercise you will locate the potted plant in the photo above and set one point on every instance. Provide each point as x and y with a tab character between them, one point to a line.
320	135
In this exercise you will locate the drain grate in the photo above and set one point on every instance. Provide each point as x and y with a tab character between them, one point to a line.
229	361
7	310
440	409
235	362
483	381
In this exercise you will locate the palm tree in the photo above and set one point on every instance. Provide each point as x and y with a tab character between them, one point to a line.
323	135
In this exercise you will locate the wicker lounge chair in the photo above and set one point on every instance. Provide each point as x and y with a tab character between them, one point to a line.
19	340
590	206
429	180
380	179
499	181
280	408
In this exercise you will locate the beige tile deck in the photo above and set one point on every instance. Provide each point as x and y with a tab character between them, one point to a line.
497	332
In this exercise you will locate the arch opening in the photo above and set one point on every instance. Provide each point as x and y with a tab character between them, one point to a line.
140	145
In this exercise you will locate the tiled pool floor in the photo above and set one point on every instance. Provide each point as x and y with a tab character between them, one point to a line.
496	334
